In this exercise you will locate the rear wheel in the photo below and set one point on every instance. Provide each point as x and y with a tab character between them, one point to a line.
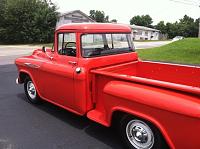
139	134
30	91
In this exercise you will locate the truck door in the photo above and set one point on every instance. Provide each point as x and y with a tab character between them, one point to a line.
58	73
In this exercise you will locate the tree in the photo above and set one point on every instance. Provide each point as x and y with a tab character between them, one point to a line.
113	21
28	21
99	16
144	20
197	26
2	12
172	29
187	27
162	27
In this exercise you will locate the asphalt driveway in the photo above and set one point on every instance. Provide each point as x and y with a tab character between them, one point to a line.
26	126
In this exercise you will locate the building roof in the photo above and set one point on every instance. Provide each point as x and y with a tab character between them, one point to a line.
76	11
136	27
95	26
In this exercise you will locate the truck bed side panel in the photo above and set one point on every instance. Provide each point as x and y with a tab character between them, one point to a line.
172	112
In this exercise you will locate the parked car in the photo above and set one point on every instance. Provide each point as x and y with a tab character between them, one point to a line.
94	71
178	38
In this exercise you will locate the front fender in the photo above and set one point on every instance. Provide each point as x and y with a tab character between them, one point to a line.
29	66
32	78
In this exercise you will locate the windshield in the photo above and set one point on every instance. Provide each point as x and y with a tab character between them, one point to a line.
106	44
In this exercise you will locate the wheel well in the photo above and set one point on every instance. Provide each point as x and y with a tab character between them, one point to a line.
118	116
23	76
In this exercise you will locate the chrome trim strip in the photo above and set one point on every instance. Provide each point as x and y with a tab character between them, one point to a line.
31	65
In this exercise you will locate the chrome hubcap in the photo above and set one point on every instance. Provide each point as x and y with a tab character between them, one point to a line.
139	134
31	90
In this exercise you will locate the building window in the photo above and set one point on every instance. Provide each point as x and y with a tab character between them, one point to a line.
77	16
139	32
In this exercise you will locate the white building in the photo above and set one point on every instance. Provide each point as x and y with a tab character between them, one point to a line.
75	16
145	33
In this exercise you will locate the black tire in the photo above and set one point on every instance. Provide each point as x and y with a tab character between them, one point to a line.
126	120
35	99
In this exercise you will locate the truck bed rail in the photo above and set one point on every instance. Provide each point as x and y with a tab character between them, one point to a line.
168	85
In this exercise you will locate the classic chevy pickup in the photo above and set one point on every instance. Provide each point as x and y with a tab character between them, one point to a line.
94	70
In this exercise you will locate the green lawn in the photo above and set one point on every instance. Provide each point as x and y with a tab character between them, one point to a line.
48	45
186	51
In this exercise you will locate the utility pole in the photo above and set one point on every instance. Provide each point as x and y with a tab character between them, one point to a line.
199	28
199	24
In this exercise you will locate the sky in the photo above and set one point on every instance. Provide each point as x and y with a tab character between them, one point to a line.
124	10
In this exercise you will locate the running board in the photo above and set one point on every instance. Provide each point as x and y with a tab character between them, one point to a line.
98	117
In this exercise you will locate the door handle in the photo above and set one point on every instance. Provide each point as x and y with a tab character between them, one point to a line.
72	63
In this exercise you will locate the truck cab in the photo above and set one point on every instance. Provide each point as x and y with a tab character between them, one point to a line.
78	48
94	71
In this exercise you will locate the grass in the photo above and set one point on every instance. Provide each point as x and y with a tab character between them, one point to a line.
186	51
48	45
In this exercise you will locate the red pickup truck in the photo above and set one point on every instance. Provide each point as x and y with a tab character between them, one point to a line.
94	71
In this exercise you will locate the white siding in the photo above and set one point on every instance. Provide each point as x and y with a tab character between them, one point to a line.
144	33
73	17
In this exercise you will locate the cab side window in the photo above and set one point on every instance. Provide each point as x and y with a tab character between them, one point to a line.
67	44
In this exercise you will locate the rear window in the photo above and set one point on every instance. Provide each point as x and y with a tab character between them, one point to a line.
94	45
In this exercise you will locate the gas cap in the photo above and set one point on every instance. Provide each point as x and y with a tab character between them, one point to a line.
78	70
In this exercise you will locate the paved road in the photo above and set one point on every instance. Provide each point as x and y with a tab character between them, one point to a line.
25	126
146	45
11	50
9	53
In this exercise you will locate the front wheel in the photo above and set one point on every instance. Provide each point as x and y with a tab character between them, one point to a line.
139	134
30	91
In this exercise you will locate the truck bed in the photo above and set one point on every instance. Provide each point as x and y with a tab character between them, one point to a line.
172	76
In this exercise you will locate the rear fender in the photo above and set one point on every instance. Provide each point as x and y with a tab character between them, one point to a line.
160	98
147	118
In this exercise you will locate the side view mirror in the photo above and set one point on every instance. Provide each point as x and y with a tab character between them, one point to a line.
44	49
52	48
